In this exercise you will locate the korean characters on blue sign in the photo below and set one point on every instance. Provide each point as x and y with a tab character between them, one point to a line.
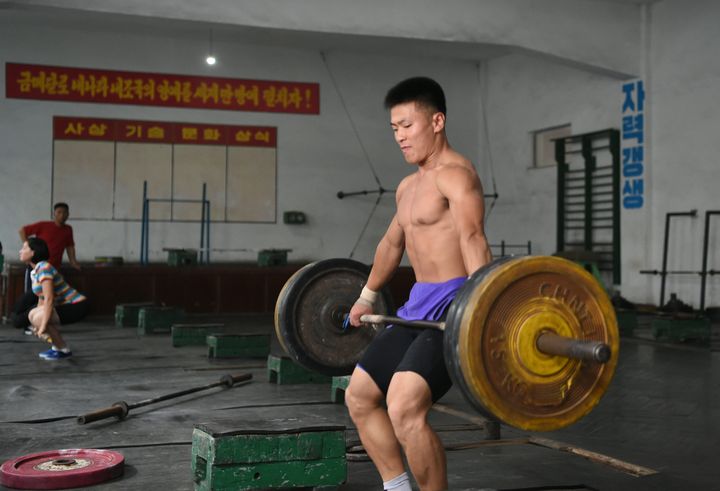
633	138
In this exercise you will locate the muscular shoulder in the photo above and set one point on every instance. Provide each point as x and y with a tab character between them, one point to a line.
457	173
404	184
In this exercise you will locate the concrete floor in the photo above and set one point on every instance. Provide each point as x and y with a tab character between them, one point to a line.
661	412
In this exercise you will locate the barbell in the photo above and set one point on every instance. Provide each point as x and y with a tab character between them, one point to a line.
547	341
530	341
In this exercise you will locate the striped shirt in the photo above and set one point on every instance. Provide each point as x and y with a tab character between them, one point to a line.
64	293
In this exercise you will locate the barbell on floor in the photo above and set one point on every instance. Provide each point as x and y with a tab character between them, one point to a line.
121	409
530	341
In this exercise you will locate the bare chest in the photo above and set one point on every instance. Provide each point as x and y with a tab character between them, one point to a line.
421	205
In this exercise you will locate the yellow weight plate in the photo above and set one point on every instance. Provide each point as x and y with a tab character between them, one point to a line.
493	327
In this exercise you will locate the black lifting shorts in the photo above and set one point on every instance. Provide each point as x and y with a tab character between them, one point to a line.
408	349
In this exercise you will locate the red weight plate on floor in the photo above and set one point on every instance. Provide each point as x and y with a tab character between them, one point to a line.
62	469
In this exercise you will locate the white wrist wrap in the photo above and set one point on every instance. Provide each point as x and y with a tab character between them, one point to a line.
367	297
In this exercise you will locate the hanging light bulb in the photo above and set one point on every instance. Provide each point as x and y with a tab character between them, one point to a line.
211	60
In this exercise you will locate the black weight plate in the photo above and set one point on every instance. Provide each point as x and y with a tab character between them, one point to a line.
309	315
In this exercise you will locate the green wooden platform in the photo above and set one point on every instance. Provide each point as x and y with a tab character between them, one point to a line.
337	388
283	370
251	345
194	334
126	314
265	454
681	329
154	320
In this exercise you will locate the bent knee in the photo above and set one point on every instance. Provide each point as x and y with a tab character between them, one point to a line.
33	316
406	416
362	395
359	401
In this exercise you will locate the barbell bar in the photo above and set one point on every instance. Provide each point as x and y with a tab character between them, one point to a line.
121	409
547	342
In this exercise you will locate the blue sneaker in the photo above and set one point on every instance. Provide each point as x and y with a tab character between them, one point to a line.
52	354
45	354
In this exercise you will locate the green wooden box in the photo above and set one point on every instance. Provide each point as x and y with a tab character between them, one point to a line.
264	454
182	257
126	314
153	320
272	257
337	388
193	334
283	370
627	321
238	345
681	329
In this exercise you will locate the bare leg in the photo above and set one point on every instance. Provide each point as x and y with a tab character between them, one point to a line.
365	403
409	401
57	339
51	330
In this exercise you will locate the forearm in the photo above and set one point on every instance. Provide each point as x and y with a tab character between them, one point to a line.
22	234
386	261
71	255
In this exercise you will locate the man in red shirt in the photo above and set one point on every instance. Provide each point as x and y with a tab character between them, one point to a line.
57	235
59	238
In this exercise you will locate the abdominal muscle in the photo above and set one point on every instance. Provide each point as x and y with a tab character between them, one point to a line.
434	252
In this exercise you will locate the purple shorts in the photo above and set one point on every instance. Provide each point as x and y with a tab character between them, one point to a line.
402	349
430	301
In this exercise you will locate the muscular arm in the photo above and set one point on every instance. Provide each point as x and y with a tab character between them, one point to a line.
388	255
464	193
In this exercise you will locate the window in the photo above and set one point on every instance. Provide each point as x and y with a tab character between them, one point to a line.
544	146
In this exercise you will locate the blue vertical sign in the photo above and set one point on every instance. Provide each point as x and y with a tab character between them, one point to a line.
633	152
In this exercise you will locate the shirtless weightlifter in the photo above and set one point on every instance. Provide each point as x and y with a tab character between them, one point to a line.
439	222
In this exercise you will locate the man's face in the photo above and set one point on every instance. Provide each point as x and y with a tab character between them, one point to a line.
61	215
415	128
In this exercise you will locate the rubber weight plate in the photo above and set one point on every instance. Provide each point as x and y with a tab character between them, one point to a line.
491	333
309	315
62	469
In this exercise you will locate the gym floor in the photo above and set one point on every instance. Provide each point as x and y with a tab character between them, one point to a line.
655	429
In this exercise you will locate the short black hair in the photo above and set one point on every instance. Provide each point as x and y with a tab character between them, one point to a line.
61	205
421	90
39	248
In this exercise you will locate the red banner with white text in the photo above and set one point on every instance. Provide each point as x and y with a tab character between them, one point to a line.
78	128
158	89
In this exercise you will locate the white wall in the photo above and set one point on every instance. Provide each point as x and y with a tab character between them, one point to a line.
317	155
598	34
683	172
684	94
524	95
